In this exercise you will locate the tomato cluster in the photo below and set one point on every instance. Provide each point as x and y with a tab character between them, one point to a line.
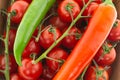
51	30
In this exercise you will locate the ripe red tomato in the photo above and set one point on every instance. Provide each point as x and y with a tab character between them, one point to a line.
58	54
72	38
90	9
30	71
105	55
68	9
12	34
32	47
29	1
12	63
56	21
15	76
114	34
18	8
47	74
48	36
92	73
81	3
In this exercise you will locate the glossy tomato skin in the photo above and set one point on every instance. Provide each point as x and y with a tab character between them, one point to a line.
91	73
114	34
30	71
19	8
12	35
32	47
15	76
63	12
47	73
48	36
12	63
107	58
29	1
72	38
81	3
56	22
89	11
56	53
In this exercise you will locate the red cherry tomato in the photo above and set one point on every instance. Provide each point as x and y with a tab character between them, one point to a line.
68	9
47	74
29	1
90	9
105	55
56	21
15	76
58	54
81	3
32	47
12	34
72	38
12	63
18	8
93	72
48	36
115	31
30	71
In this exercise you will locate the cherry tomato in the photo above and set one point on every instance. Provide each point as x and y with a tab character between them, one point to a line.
47	74
15	76
56	21
12	34
32	47
90	10
81	2
58	54
48	36
67	10
18	9
114	34
30	71
29	1
92	73
12	63
72	38
105	55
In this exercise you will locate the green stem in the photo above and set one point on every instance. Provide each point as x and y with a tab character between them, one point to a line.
86	16
40	27
83	73
83	2
1	38
12	1
108	2
6	48
65	33
54	59
3	11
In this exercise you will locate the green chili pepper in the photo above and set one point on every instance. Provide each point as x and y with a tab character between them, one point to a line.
33	16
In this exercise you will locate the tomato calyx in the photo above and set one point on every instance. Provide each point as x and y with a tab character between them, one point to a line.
68	8
78	35
106	49
99	70
115	24
13	13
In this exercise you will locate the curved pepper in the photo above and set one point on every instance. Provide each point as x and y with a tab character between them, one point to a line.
97	31
33	16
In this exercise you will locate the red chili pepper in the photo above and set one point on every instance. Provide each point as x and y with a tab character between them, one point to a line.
86	48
